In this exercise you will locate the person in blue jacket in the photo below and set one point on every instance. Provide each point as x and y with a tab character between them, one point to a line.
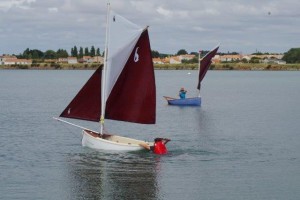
182	93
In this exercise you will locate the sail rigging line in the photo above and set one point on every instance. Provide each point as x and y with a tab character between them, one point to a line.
103	79
69	128
75	125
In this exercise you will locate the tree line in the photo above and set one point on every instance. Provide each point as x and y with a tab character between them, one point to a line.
36	54
292	56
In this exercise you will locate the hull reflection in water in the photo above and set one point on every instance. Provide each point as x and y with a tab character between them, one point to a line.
104	175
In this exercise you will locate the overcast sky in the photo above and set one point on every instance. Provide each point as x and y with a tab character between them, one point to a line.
238	25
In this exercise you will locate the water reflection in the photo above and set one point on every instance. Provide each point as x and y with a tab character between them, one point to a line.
98	175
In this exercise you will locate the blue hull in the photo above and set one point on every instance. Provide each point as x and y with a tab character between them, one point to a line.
195	101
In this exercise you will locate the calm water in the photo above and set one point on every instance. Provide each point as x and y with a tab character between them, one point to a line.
243	143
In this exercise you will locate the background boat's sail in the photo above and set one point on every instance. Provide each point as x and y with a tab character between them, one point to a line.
130	93
204	65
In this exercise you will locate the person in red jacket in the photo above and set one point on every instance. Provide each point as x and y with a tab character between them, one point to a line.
159	146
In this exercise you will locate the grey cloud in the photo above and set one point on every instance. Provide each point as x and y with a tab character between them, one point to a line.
239	25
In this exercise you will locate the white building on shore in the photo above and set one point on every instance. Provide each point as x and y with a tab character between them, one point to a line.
13	60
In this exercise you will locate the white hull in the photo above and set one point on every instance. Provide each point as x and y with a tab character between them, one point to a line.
111	142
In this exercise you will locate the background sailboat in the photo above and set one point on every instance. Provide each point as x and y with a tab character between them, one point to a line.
204	64
123	89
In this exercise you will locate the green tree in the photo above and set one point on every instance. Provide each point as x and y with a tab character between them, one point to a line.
292	56
36	54
254	60
33	54
93	51
203	53
244	60
182	52
86	51
26	54
61	53
50	54
163	55
155	54
195	53
193	60
74	52
80	52
98	52
258	53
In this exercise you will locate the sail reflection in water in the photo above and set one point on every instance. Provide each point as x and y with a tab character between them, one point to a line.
97	175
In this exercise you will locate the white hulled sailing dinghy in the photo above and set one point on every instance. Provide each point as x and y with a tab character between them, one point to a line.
124	89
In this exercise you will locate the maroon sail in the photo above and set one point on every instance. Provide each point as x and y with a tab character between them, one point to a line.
133	97
86	105
204	65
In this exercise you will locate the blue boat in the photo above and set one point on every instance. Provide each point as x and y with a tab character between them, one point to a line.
195	101
204	64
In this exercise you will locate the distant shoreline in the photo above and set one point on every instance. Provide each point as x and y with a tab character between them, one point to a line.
218	66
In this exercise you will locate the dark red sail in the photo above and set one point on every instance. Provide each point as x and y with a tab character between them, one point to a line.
86	105
133	98
204	65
